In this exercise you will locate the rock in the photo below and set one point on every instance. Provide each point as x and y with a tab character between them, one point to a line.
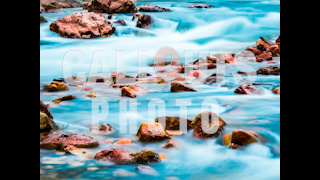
218	125
212	79
169	144
174	132
201	6
65	98
83	26
120	21
276	91
97	79
144	169
248	89
55	86
103	128
42	20
264	56
131	91
44	109
278	40
117	156
263	43
274	50
204	64
136	15
45	125
143	75
212	58
87	89
155	80
92	94
120	78
145	21
270	70
243	138
178	87
124	142
228	58
152	8
152	132
173	123
86	5
112	6
121	156
195	74
59	140
146	157
46	5
254	50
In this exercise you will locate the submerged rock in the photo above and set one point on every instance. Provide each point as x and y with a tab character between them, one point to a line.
55	86
173	123
120	21
83	26
65	98
59	140
217	125
152	132
121	78
201	6
248	89
144	169
144	21
131	91
152	8
243	138
103	128
112	6
178	87
270	70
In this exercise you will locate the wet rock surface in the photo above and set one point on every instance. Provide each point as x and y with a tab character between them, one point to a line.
55	86
47	5
152	8
65	98
173	123
83	26
248	89
178	87
112	6
242	138
144	21
270	70
152	132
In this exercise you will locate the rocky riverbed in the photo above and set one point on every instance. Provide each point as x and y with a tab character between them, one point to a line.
80	139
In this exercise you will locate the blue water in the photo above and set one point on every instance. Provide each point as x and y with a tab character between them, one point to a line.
231	26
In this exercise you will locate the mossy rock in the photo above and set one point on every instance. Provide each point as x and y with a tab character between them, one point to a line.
42	19
146	157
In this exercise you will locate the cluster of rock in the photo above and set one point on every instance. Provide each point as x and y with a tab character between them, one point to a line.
52	5
266	50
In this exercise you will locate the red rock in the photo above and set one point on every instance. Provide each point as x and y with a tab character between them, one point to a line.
254	50
117	156
120	21
112	6
197	125
248	89
178	87
103	128
152	132
121	78
263	43
83	25
274	50
47	5
59	140
264	56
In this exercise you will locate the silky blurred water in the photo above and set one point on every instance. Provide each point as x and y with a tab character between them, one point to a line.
230	26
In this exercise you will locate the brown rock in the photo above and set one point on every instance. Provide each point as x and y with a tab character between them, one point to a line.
117	156
120	78
270	70
152	8
248	89
152	132
83	26
46	5
55	86
201	6
218	125
103	128
112	6
169	144
59	140
263	43
65	98
178	87
243	138
254	50
173	123
276	91
145	21
131	91
143	75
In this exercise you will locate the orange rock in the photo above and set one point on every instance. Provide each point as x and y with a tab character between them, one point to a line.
227	139
195	74
86	89
162	156
92	94
124	142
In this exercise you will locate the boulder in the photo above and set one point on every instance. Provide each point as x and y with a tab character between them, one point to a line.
55	86
144	21
44	109
152	132
152	8
263	43
274	50
264	56
243	138
131	91
83	26
112	6
65	98
218	124
59	140
270	70
254	50
248	89
46	5
226	139
173	123
178	87
121	156
103	128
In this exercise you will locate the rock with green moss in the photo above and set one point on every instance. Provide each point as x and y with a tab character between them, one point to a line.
144	21
270	70
47	124
241	138
173	123
42	19
152	132
112	6
214	125
146	157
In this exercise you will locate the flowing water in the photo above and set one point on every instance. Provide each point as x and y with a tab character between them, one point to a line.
231	26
